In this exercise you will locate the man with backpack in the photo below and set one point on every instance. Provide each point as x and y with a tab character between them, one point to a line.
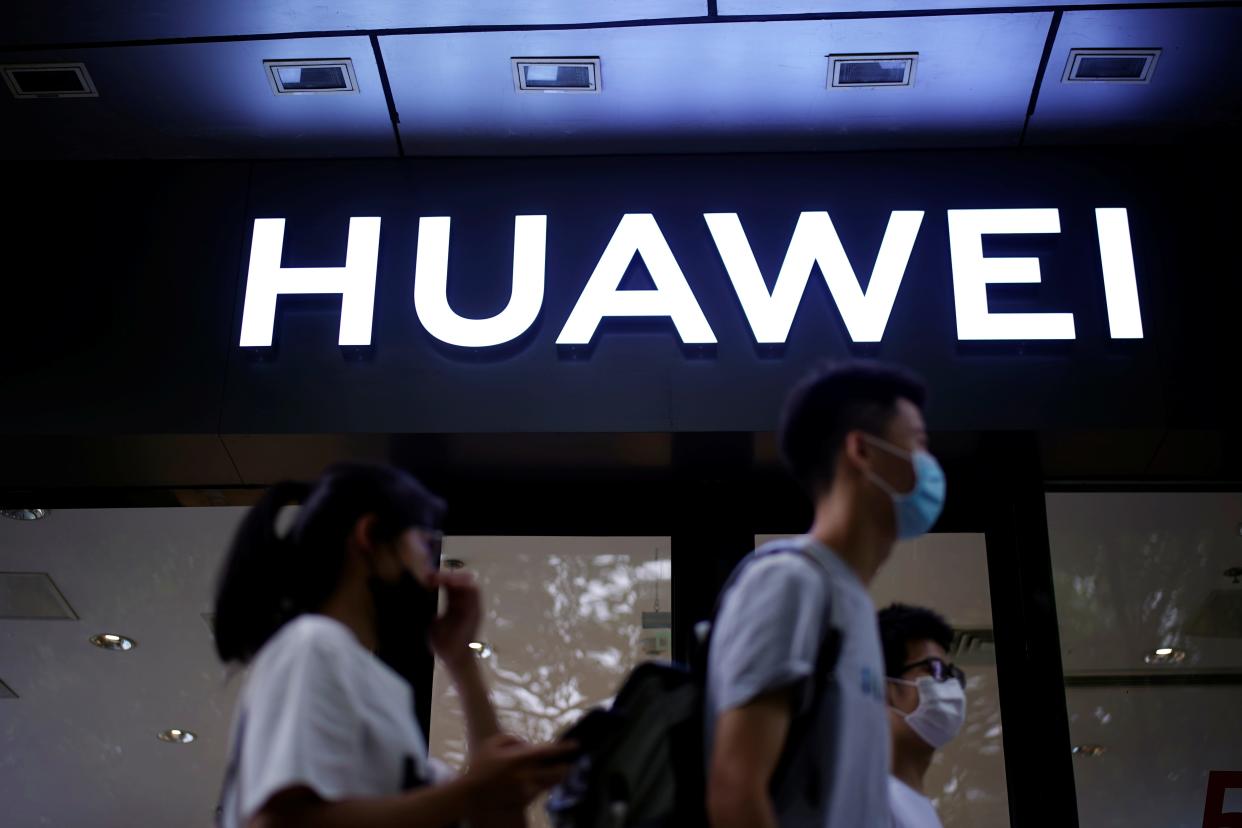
796	722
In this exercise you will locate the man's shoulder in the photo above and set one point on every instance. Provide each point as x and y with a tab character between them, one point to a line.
785	562
772	587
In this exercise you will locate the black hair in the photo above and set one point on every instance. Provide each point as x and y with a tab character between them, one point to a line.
900	625
832	402
269	579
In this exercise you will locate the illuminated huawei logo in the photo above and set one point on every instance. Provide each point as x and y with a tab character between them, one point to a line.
770	312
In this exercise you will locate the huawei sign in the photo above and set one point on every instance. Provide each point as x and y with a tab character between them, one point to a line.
815	245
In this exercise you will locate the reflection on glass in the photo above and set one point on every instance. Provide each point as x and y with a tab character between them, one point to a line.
565	619
1151	639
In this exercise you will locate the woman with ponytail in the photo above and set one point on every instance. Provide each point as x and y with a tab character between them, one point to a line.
329	616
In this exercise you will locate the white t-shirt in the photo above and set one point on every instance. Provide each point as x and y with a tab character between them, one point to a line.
910	808
320	710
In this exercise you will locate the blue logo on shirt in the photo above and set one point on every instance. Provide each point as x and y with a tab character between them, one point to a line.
872	685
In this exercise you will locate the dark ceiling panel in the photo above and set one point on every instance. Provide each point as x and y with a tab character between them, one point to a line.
767	7
66	462
207	100
1194	90
26	22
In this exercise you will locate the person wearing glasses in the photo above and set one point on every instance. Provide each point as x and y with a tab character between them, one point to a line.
926	705
333	616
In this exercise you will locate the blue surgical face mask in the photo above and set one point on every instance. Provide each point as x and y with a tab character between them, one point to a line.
917	509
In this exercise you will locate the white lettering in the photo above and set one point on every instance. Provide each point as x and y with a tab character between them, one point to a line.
972	273
769	312
431	285
815	242
1117	261
638	234
266	280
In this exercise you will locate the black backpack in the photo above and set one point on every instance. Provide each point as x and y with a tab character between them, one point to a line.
642	763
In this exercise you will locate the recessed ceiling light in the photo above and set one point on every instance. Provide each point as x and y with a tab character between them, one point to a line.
1165	655
311	77
1088	750
1110	65
177	736
480	649
112	641
24	514
871	70
49	80
556	74
453	563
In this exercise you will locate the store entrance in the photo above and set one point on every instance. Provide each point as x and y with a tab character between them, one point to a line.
595	552
574	611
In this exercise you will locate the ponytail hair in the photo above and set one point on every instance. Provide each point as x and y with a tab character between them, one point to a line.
269	579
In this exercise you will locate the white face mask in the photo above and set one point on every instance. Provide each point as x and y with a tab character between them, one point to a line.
941	711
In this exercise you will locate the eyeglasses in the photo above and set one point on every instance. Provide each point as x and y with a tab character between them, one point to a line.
939	669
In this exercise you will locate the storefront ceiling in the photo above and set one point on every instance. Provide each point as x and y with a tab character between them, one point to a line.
205	100
1195	83
85	20
752	7
191	84
723	87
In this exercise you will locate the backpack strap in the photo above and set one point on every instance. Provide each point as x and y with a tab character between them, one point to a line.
830	644
825	659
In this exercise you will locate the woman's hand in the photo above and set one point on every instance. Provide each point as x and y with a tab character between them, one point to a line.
505	772
450	634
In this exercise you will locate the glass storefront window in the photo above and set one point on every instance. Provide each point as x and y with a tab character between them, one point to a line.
565	620
1151	641
78	739
948	572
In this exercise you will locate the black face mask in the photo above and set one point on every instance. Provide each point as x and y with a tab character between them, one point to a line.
404	610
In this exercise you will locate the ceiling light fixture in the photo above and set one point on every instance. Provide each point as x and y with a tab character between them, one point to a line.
531	74
480	649
49	80
177	736
1165	655
112	641
453	563
311	77
1110	65
24	514
871	70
